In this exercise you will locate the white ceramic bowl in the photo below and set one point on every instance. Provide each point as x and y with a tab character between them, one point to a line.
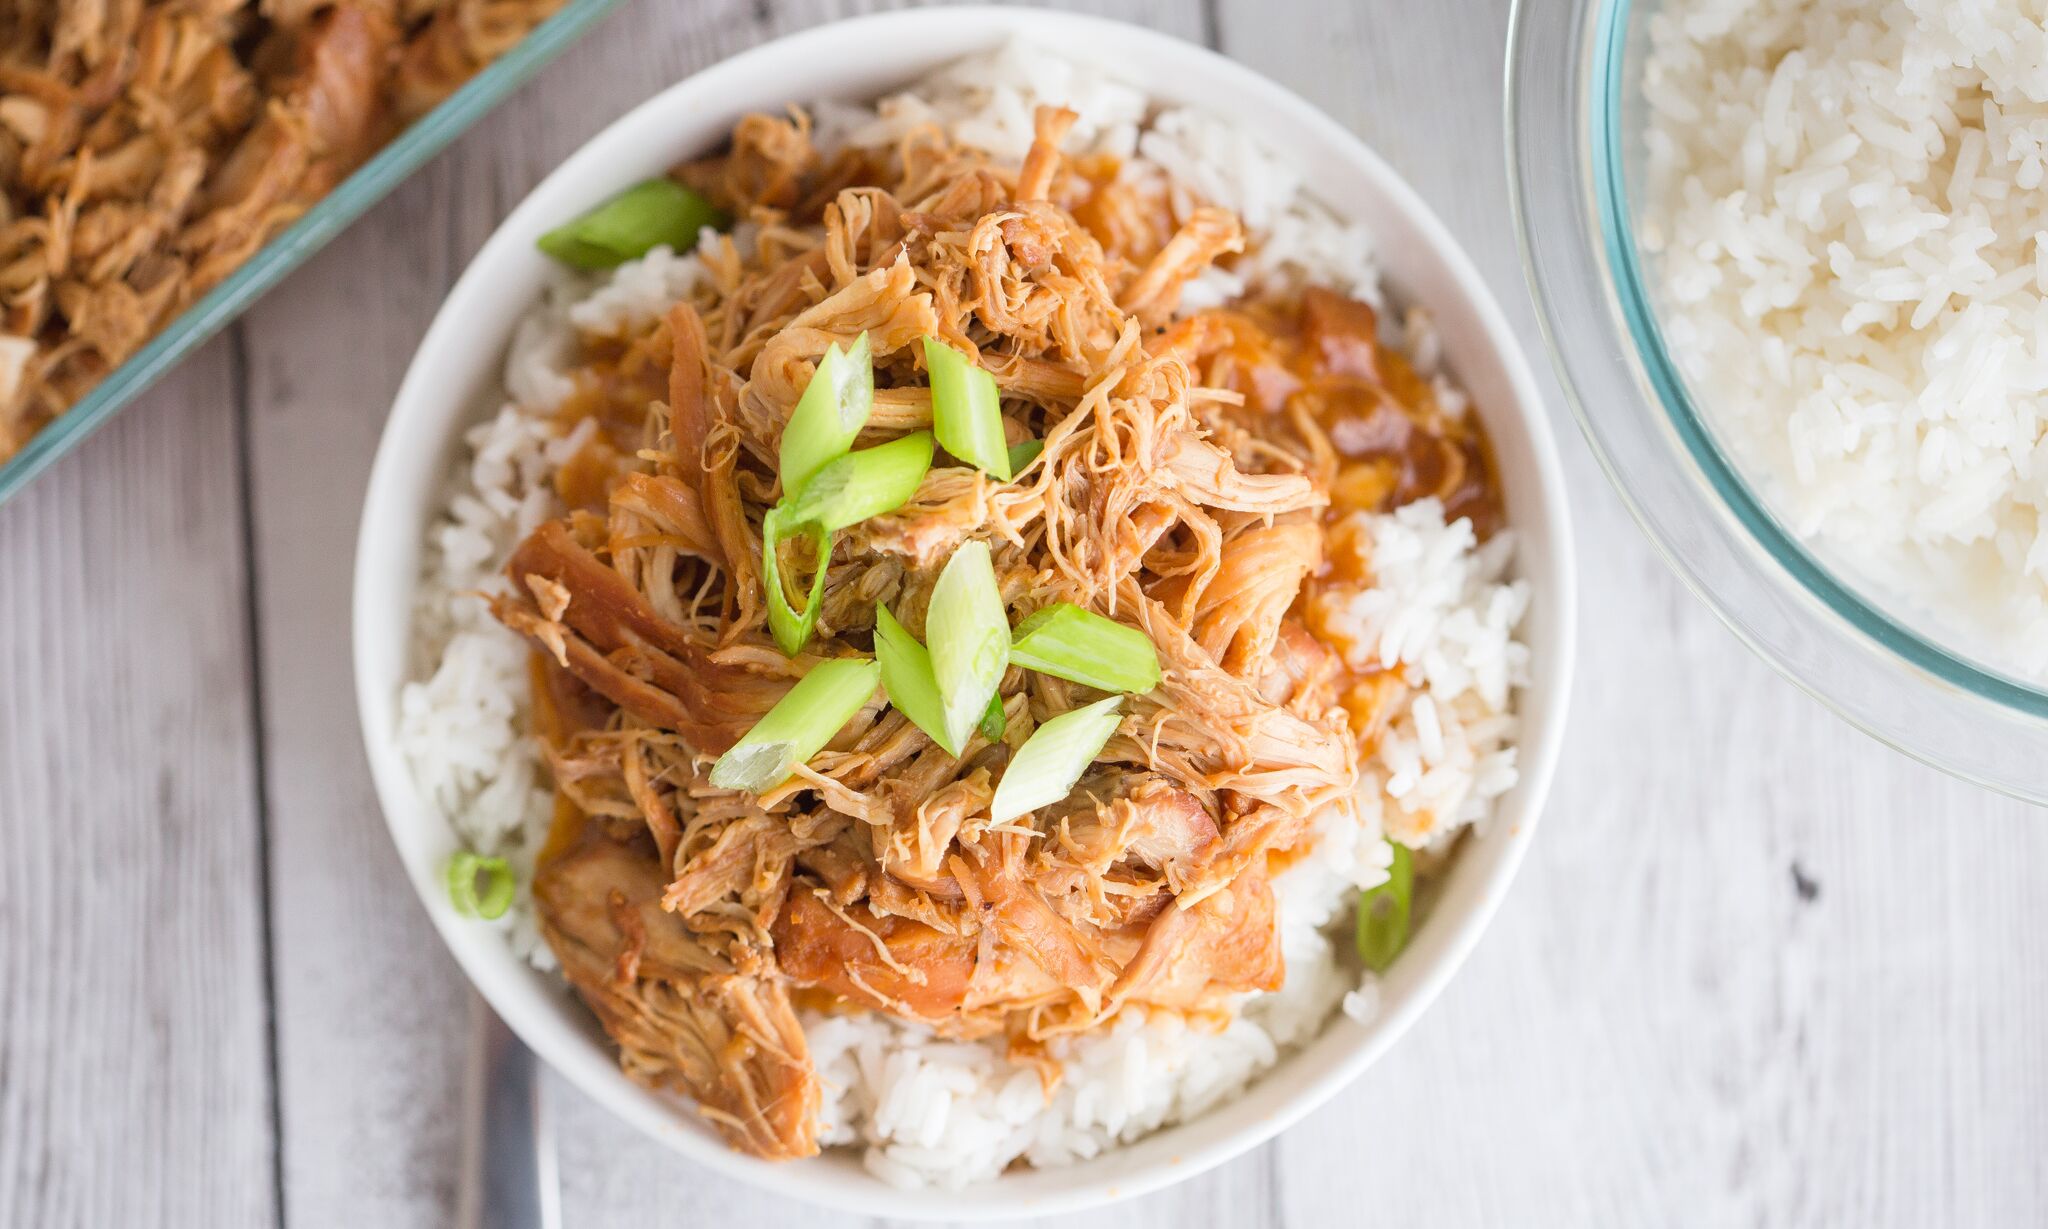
460	359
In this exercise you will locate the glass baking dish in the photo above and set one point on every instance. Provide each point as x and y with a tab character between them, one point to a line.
326	219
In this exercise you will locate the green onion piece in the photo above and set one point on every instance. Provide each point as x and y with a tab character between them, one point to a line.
489	901
849	489
641	218
802	722
1053	758
790	627
829	415
1383	913
966	412
1023	454
969	636
1081	646
995	720
907	677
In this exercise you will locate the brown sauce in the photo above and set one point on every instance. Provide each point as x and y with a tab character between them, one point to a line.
550	724
1394	441
616	384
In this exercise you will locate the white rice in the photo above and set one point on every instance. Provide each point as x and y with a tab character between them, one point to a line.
1847	214
922	1110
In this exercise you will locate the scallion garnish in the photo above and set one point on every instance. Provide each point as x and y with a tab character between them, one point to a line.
907	677
790	626
831	412
1024	453
492	898
1081	646
851	488
1053	758
631	224
969	637
995	720
1383	913
802	722
967	413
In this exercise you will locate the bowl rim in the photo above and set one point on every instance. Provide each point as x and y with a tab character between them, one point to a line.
386	567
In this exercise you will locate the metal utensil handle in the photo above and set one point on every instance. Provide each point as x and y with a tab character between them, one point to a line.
511	1181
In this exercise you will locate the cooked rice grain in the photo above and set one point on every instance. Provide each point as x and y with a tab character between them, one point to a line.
1846	217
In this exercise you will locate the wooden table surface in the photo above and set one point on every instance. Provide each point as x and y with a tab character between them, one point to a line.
1758	971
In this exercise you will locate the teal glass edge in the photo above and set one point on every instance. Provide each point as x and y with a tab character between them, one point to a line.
286	252
1625	269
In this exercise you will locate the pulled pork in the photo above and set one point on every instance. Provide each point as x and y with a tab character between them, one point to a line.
149	147
1193	472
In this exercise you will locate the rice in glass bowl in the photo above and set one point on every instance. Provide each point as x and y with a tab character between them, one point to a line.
1784	272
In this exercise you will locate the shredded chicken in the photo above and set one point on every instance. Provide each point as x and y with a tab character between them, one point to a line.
1194	482
149	147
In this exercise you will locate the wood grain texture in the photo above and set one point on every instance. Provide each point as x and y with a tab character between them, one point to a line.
370	1007
1758	969
134	1048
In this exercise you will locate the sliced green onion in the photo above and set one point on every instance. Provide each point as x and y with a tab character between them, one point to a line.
1081	646
1023	454
907	677
1383	913
630	224
849	489
489	901
829	415
802	722
995	720
791	627
969	636
1053	758
966	411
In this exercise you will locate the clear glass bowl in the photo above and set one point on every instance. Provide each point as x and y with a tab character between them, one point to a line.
292	246
1573	118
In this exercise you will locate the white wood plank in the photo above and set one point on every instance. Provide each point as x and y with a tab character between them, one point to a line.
370	1009
1659	1025
134	1055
